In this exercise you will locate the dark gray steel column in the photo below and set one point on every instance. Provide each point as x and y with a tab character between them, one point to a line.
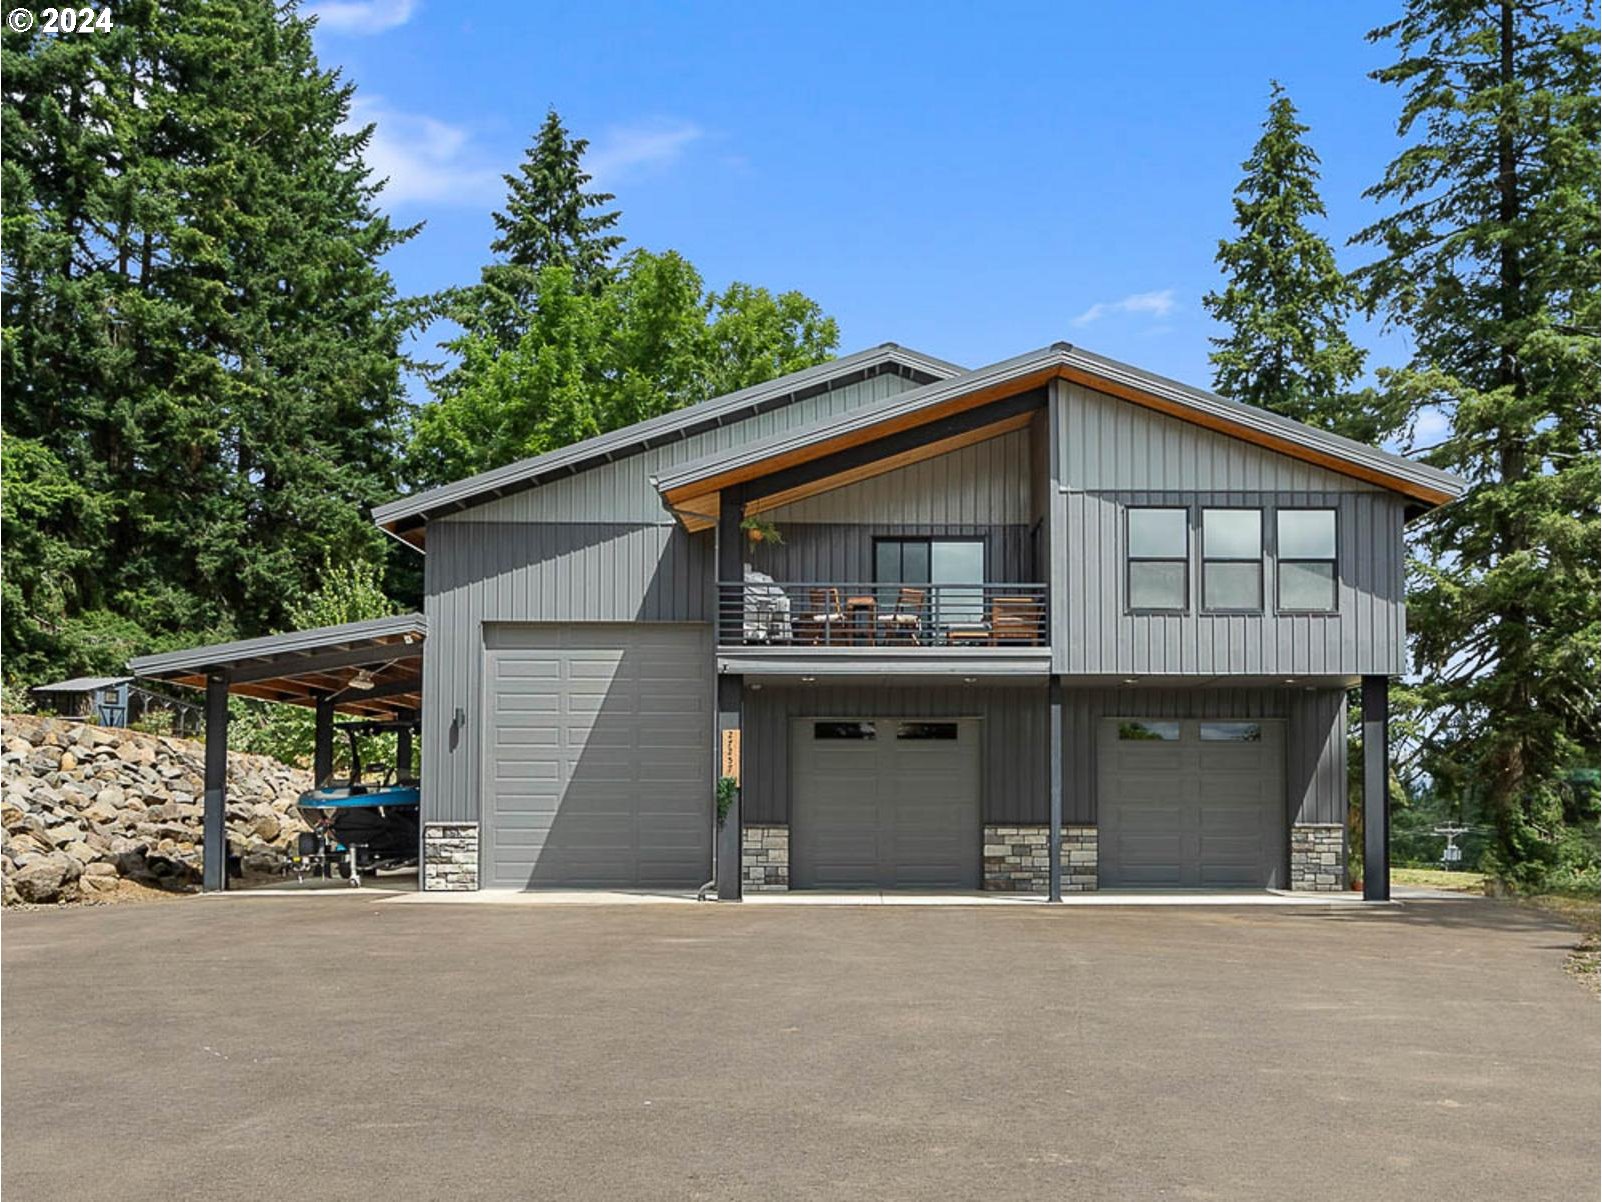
730	560
1376	790
323	743
214	822
1054	776
403	748
731	690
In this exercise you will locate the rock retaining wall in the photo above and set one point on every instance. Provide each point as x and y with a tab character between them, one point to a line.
84	806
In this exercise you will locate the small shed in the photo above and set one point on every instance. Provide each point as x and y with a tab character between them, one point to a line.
102	698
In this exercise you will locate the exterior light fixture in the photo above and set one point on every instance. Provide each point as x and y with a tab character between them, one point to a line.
808	679
362	681
1132	680
970	680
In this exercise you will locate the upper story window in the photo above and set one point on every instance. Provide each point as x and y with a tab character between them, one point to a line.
1159	559
1232	560
1306	548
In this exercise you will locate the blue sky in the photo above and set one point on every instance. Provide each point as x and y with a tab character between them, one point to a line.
971	180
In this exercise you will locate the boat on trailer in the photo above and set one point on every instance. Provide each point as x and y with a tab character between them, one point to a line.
358	826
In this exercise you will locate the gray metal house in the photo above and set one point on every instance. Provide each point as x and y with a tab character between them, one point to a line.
1055	623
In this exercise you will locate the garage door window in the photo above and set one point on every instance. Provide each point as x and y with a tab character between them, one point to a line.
844	730
1231	732
919	731
1164	732
1232	560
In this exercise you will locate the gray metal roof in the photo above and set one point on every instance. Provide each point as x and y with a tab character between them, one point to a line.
411	511
1056	358
81	684
408	628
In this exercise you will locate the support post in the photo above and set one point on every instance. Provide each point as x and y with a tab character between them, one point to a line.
323	743
1054	777
1376	791
731	691
214	821
403	747
730	561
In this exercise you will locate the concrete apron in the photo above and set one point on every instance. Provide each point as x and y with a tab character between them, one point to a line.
877	897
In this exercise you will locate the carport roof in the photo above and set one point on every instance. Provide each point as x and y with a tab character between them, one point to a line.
372	668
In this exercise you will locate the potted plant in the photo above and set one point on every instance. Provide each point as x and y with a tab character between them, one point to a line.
760	530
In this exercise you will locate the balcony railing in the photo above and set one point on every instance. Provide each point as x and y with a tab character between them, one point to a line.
841	614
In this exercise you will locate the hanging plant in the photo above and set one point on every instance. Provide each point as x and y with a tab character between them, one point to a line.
760	530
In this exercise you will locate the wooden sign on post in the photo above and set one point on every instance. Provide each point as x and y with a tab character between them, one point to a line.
729	757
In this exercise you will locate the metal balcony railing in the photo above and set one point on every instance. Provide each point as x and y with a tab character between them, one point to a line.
802	614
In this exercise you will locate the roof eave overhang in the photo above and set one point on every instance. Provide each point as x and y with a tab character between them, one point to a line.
692	492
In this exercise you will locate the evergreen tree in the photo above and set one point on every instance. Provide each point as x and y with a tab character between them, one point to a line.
1285	301
200	352
1490	260
549	221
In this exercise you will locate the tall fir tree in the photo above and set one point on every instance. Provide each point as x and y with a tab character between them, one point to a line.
201	352
1490	260
549	221
1285	300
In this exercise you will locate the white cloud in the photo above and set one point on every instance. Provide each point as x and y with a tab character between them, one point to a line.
1158	304
362	16
625	149
424	158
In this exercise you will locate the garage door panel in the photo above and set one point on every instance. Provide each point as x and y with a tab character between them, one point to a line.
886	812
598	761
1186	812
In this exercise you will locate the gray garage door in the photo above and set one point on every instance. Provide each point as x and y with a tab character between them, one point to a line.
1191	805
598	756
884	802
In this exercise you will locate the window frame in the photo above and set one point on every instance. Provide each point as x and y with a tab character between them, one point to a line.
1130	559
1334	561
929	540
1262	554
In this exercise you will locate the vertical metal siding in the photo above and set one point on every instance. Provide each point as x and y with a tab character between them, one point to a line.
1315	759
622	491
1013	771
1109	454
985	482
597	547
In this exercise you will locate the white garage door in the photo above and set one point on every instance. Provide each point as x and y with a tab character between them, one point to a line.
885	803
1191	804
598	756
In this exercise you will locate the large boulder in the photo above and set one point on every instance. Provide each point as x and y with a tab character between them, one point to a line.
41	881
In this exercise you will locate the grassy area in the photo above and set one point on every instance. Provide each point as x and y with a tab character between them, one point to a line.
1439	878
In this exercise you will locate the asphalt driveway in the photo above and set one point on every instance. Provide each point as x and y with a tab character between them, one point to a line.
341	1047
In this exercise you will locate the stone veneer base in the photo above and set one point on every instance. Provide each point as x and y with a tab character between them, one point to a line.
1318	857
450	856
765	858
1017	859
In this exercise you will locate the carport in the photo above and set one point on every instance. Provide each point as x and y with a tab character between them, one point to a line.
371	671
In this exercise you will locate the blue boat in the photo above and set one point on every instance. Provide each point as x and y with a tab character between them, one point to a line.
357	826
